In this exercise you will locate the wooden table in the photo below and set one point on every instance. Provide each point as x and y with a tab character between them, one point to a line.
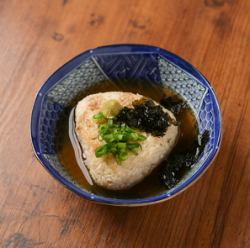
36	37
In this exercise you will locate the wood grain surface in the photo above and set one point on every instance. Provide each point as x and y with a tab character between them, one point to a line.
36	37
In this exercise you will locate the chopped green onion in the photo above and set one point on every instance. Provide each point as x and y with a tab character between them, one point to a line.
108	138
119	136
133	145
133	136
121	146
102	150
110	121
122	156
99	116
120	139
141	137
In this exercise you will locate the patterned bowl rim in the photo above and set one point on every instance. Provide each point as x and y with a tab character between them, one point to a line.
121	49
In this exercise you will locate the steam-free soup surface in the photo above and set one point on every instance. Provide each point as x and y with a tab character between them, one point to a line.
151	185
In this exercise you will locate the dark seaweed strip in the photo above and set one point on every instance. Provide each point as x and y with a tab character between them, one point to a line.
177	163
145	116
174	105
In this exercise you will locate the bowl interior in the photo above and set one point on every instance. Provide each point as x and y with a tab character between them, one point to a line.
119	64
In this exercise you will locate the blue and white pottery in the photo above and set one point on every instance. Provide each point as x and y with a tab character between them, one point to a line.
118	63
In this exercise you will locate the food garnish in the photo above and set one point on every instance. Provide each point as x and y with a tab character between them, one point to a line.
145	116
120	140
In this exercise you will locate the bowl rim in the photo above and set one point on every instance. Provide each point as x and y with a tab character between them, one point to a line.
121	49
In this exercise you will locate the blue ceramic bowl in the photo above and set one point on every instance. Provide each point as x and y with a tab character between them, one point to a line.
119	63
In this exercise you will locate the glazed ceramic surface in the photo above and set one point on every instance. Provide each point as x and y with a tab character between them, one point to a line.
120	63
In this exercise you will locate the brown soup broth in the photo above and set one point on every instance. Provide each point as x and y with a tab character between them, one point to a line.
151	185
